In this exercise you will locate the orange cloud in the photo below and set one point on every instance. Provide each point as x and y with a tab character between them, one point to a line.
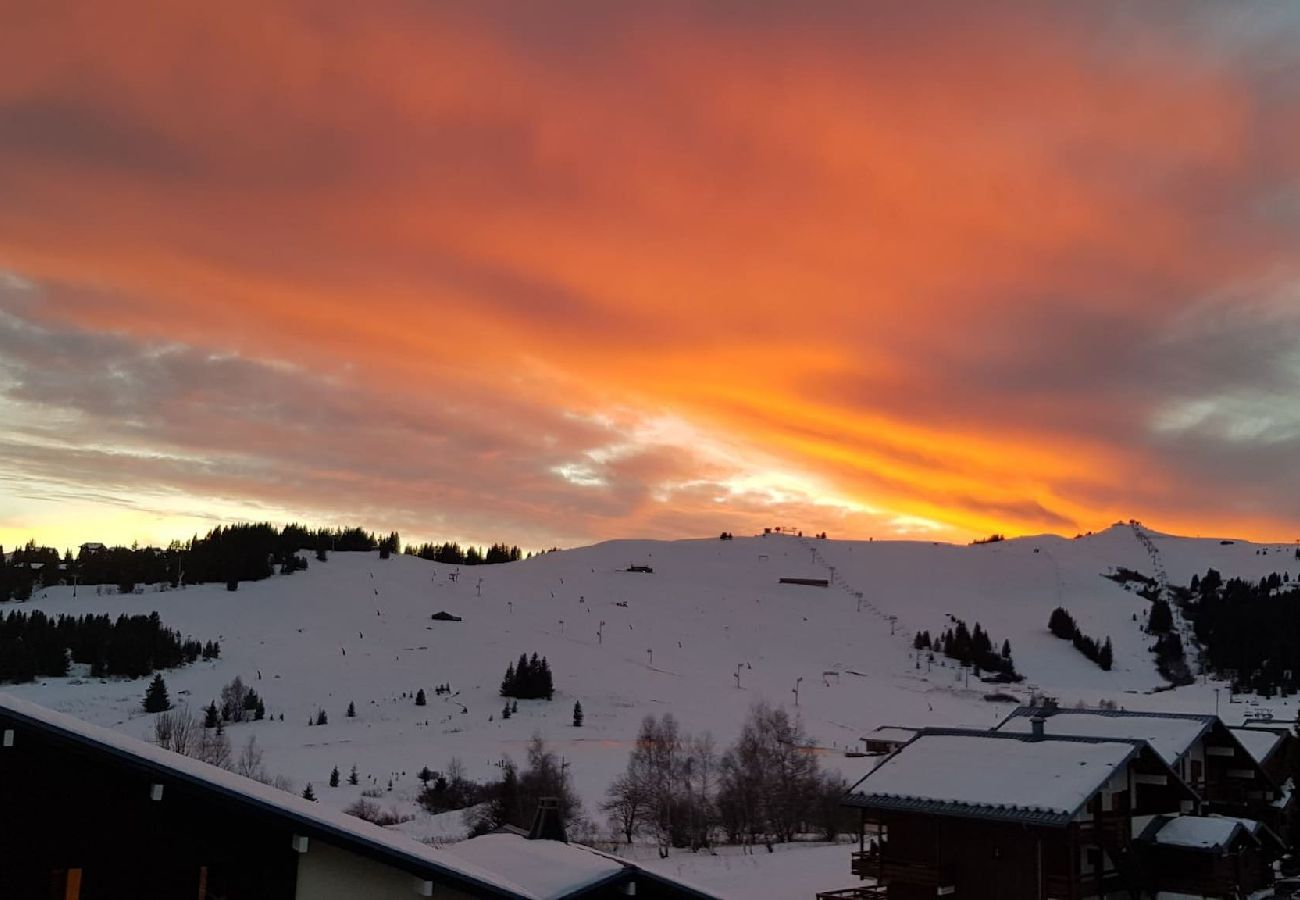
887	269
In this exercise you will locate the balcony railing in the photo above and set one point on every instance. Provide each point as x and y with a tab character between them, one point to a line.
865	892
1108	831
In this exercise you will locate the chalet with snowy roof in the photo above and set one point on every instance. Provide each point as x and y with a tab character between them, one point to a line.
1269	745
887	739
97	815
1203	751
1207	856
1003	816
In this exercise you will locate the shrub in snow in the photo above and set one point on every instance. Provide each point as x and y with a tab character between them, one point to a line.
370	812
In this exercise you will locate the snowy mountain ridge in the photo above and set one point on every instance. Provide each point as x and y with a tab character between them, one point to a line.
706	633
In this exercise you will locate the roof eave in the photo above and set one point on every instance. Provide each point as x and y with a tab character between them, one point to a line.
409	863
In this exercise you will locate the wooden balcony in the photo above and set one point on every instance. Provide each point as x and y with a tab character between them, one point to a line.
867	865
1109	831
913	873
866	892
1060	886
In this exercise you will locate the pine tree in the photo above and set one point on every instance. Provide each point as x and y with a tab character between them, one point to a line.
577	714
545	685
308	793
505	713
211	718
1061	624
334	777
534	684
419	698
1106	657
321	718
155	698
509	684
352	711
425	775
1161	619
352	777
259	711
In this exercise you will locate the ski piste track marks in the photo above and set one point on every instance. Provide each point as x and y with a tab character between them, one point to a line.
838	580
1184	628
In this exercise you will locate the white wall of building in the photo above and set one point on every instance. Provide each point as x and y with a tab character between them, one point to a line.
328	873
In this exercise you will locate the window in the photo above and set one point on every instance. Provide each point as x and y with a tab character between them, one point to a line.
1121	802
65	884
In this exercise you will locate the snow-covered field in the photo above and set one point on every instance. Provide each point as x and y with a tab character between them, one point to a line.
358	629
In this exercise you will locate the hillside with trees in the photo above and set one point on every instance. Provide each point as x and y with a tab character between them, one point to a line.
35	645
228	554
1248	631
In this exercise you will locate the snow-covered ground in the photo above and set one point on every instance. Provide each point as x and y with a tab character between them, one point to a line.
358	629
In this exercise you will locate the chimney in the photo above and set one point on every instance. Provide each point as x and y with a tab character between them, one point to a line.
548	825
1036	723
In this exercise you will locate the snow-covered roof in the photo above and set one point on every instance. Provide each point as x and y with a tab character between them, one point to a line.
1259	742
1212	834
328	825
1169	734
891	733
1199	832
548	870
991	775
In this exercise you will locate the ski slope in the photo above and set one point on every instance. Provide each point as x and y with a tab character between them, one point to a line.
358	629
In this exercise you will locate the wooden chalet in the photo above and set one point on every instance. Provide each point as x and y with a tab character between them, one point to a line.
1270	745
1205	753
887	739
93	814
1207	856
1003	816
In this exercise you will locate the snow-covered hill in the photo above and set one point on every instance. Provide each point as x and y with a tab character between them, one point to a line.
358	629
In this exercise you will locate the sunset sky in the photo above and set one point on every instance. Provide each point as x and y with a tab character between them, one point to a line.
557	272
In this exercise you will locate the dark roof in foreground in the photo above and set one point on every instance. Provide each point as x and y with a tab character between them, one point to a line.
310	819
